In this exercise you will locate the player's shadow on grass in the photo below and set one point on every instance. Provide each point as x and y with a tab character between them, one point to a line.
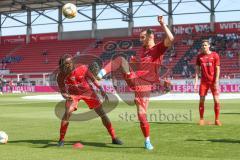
51	143
216	140
45	143
230	113
108	145
190	123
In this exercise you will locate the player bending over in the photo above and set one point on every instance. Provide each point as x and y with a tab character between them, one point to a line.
142	80
73	82
208	63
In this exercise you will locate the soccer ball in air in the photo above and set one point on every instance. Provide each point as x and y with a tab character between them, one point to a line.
3	137
69	10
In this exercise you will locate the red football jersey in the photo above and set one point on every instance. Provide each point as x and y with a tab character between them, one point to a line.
208	63
151	60
77	82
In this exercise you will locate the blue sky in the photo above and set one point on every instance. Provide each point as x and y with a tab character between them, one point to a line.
147	10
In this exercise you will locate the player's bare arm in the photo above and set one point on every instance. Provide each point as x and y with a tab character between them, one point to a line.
61	85
169	36
196	77
66	96
93	79
217	76
95	82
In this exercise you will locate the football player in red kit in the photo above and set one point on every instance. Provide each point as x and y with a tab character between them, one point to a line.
73	82
147	73
208	64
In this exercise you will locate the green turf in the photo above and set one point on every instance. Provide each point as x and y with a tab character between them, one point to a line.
33	132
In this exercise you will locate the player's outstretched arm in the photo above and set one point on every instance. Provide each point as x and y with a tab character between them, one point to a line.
93	79
95	82
169	36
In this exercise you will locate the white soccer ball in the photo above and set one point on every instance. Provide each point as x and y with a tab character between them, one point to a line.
3	137
69	10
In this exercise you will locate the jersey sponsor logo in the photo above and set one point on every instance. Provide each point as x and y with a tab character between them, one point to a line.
208	64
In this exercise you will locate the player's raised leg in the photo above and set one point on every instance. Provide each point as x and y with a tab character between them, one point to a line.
113	65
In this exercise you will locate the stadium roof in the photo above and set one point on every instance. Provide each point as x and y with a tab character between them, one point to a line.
30	12
20	5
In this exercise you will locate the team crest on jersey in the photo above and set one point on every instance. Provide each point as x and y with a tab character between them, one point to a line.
73	78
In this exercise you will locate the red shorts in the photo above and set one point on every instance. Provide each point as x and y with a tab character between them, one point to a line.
142	89
92	101
142	99
204	86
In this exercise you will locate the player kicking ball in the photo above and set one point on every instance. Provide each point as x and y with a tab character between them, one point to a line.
208	63
73	82
147	73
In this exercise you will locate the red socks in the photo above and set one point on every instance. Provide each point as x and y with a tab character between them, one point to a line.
217	110
63	130
110	130
201	109
64	127
144	124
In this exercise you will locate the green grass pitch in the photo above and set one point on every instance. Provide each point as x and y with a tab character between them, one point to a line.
33	131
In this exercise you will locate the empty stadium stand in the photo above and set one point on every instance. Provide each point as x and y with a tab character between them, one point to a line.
42	57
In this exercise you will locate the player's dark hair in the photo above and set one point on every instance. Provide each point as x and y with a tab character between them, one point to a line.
62	61
205	40
149	31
